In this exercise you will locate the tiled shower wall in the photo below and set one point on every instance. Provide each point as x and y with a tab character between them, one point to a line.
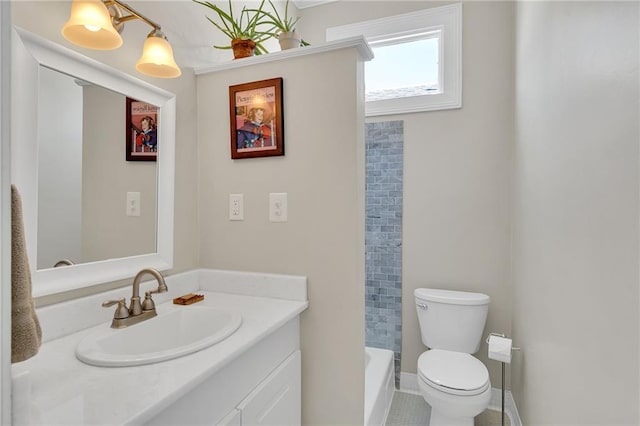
383	238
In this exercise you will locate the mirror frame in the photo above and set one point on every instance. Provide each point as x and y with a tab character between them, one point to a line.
29	52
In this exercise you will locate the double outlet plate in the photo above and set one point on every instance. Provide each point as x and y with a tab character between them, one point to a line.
277	206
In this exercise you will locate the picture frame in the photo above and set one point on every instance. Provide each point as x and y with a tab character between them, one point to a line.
141	141
257	119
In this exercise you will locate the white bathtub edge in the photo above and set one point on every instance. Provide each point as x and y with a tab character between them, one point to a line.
379	386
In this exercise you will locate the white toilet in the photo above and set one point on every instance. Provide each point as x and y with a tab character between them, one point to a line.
454	383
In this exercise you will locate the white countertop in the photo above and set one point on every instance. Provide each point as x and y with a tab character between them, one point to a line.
54	387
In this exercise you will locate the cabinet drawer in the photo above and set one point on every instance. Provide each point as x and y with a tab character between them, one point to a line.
277	399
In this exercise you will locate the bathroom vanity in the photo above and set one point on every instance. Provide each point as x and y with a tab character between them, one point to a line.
252	377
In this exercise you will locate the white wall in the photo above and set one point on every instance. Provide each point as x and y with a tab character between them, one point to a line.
456	224
5	217
323	173
59	168
575	247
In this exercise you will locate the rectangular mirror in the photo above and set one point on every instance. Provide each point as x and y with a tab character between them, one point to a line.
84	214
81	197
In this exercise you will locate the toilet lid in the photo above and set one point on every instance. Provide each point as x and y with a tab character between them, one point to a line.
453	372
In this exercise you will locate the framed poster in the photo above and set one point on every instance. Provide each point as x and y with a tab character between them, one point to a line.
141	130
257	119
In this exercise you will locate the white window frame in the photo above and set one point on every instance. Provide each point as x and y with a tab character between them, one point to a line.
448	20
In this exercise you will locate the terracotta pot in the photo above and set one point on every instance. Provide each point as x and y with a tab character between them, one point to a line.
289	40
242	48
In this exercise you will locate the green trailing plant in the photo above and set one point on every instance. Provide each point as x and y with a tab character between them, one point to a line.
279	23
246	26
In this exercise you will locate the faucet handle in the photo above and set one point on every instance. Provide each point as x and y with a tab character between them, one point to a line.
108	303
121	310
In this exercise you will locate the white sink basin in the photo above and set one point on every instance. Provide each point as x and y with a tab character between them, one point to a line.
180	331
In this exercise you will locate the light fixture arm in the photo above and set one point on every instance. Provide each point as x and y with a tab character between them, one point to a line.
117	6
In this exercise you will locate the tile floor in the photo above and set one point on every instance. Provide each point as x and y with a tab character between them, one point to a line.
408	409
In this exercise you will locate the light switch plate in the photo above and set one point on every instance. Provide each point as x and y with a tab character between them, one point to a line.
133	204
278	207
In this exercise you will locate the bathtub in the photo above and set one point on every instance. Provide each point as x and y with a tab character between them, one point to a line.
379	385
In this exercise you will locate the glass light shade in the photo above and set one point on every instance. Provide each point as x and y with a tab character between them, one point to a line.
157	58
89	25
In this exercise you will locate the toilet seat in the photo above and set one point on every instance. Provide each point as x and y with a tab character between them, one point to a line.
454	373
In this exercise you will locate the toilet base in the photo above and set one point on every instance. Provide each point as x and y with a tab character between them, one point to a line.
440	419
453	410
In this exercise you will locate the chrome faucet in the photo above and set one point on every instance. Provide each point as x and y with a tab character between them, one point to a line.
137	312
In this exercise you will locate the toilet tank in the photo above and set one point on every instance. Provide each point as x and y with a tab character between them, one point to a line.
451	320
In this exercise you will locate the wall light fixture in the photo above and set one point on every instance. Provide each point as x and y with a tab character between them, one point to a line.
97	24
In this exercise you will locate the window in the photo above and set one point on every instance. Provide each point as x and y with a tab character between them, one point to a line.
420	67
417	64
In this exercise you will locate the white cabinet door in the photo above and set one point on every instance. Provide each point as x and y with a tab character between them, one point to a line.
277	400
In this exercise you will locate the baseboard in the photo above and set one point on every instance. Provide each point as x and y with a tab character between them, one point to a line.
409	384
509	405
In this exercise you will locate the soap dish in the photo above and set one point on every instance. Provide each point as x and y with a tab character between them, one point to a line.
188	299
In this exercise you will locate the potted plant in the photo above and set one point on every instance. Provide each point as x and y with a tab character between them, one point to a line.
285	26
244	31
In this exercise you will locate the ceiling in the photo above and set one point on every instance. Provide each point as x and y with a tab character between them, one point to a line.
192	36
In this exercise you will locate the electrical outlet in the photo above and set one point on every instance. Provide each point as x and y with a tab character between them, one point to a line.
133	204
236	206
278	207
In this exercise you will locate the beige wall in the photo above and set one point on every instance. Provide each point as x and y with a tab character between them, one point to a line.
575	245
107	231
315	20
456	232
323	173
46	18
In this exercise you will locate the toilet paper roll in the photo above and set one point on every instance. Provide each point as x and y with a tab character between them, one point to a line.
500	348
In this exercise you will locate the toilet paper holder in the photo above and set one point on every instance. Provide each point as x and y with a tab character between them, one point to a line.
500	335
502	389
